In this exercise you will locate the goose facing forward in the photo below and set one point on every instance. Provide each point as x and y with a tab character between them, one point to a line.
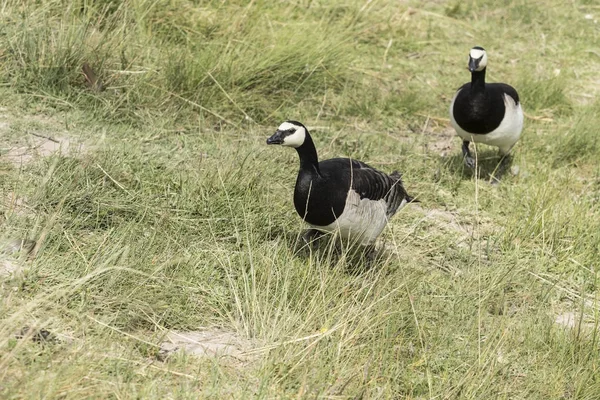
340	194
488	113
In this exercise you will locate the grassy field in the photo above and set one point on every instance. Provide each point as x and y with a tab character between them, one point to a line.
166	211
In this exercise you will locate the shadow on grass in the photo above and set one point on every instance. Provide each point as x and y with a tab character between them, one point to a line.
329	249
488	165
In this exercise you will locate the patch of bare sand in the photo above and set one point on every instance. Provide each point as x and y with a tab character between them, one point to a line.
43	136
13	246
462	225
567	319
211	343
10	268
456	231
448	221
573	320
9	249
14	204
441	142
42	146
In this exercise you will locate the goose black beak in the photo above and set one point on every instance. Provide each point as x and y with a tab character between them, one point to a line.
473	64
277	138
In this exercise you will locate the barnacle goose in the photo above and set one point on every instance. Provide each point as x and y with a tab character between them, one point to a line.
488	113
340	194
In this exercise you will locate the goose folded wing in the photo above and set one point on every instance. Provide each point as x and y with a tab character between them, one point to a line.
509	90
370	183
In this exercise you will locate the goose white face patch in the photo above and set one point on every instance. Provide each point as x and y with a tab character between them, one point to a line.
296	136
479	53
286	126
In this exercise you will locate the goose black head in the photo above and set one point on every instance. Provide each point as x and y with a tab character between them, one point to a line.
477	59
290	133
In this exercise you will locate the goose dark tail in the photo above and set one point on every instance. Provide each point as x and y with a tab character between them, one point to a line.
397	176
410	199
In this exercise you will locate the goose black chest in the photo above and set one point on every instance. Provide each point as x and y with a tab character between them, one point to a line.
340	194
320	193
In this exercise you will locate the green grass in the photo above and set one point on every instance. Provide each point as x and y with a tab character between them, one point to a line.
176	215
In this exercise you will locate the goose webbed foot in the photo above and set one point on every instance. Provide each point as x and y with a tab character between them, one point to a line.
470	162
362	258
501	170
370	253
468	159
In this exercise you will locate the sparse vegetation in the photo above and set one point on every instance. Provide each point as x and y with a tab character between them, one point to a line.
168	212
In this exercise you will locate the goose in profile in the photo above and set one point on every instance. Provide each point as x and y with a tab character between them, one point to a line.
340	194
488	113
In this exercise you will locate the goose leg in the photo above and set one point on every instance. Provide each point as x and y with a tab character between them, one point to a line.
370	255
469	160
310	237
502	168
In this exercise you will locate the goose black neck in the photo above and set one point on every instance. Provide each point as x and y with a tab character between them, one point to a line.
309	161
478	81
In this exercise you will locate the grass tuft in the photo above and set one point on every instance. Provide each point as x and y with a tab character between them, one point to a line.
579	142
545	97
